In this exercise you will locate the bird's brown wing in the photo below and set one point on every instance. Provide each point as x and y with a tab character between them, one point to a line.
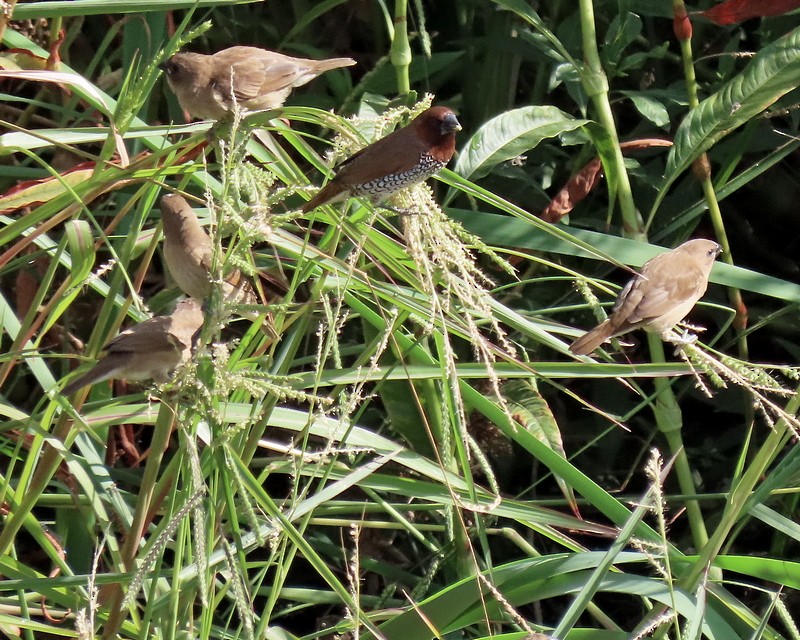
625	306
665	292
259	75
150	335
279	74
202	254
247	80
382	158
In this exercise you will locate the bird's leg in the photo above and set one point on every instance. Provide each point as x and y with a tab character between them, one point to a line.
692	327
401	212
679	340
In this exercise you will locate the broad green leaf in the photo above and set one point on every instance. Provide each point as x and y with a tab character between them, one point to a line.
773	72
78	83
500	230
64	8
510	135
531	410
651	108
463	603
42	191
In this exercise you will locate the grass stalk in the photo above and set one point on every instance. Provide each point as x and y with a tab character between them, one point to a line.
595	84
400	52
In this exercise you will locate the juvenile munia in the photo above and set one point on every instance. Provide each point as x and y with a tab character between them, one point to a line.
189	256
149	350
657	299
208	86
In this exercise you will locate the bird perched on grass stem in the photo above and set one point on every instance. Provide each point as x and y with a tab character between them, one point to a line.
189	255
401	159
208	86
149	350
657	299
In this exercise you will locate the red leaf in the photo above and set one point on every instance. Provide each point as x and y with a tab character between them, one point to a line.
54	60
582	183
573	192
733	11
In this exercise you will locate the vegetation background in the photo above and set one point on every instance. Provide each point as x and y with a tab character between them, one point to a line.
409	451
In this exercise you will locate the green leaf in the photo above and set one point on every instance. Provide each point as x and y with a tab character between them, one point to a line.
81	248
498	230
65	8
509	135
773	72
652	109
531	410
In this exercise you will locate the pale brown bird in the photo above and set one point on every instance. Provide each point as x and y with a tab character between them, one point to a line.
149	350
401	159
657	299
208	86
189	256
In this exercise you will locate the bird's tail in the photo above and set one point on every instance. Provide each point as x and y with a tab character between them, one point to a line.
333	63
329	192
103	370
590	340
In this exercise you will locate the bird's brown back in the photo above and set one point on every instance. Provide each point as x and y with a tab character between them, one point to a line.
257	72
396	152
208	86
173	332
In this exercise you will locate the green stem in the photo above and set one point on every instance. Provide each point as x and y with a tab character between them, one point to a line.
670	421
738	502
702	171
740	493
666	409
400	53
595	84
158	446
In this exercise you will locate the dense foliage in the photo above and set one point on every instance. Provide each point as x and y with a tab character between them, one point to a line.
396	442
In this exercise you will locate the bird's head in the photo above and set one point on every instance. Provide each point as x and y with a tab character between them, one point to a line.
436	128
177	215
702	250
439	121
186	69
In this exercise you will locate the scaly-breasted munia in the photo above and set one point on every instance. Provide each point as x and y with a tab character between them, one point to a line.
208	86
188	254
401	159
149	350
657	299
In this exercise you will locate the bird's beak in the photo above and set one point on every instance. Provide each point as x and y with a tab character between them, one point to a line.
450	124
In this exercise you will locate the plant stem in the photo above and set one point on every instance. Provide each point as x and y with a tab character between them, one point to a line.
670	422
667	412
400	53
702	171
595	84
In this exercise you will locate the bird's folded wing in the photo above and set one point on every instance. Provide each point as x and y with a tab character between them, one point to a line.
665	294
202	255
624	311
151	335
384	159
251	80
